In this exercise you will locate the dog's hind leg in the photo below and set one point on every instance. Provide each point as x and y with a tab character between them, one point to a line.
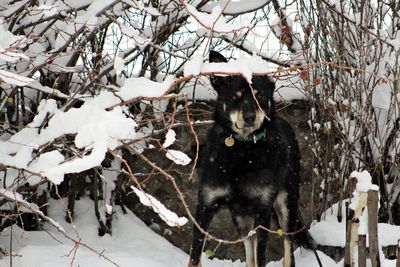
244	223
287	221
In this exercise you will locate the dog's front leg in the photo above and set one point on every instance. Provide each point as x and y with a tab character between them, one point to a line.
204	215
262	218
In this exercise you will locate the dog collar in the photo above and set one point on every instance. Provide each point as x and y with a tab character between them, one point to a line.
230	140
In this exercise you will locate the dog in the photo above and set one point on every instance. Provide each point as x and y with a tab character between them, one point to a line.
250	164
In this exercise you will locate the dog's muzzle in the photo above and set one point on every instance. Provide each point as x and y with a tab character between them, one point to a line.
245	123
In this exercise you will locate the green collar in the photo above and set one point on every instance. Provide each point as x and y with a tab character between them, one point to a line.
230	140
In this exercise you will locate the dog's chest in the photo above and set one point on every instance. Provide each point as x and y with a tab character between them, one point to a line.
241	173
243	157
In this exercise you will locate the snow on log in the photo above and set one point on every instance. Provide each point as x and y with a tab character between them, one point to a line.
360	222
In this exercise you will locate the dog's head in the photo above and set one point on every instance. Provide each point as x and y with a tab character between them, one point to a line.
240	106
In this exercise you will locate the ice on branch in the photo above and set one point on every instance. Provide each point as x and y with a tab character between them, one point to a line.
170	217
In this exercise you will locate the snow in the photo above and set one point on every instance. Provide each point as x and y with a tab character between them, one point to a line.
143	87
131	244
246	66
171	218
330	232
193	66
178	157
359	200
10	42
29	207
215	21
235	7
381	96
170	138
109	126
119	64
12	78
364	183
101	123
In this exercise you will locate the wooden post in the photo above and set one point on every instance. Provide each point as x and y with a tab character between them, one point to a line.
349	216
352	236
398	254
372	205
362	251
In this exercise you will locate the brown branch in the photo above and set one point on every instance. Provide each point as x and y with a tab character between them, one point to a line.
286	36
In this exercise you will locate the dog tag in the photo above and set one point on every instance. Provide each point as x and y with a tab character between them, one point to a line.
229	141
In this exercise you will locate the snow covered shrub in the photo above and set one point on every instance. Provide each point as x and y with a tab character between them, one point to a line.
353	90
86	83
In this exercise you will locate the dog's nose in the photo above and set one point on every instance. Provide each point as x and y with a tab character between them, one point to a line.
249	118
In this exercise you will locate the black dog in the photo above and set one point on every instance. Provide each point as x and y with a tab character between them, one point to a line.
251	165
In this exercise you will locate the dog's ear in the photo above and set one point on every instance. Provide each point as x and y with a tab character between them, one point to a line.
216	80
216	57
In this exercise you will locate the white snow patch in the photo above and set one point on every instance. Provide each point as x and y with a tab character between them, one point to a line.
235	7
119	64
364	183
215	21
246	66
170	138
15	79
193	66
143	87
171	218
178	157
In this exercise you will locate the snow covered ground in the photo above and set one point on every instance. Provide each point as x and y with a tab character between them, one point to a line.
132	244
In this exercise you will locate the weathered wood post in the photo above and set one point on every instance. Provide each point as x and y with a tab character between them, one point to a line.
364	195
362	251
347	254
372	206
349	217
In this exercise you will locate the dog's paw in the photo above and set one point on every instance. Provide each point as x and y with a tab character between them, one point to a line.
191	264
